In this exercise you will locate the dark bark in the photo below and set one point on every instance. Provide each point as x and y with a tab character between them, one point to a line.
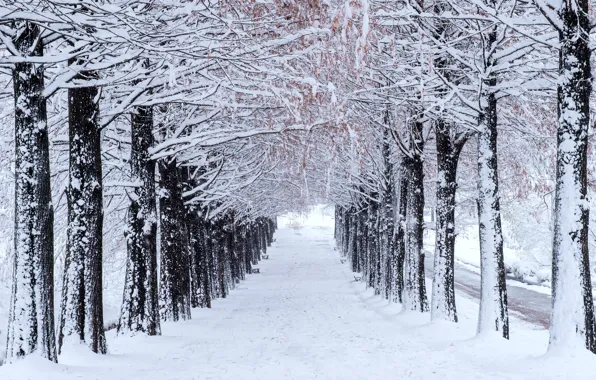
400	235
355	253
219	257
414	286
175	262
211	258
200	293
82	301
448	150
373	245
140	304
248	254
386	214
31	315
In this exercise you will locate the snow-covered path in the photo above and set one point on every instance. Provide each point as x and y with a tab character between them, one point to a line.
303	317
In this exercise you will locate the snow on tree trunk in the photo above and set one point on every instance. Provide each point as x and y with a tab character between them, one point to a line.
239	250
337	223
373	247
200	296
82	302
387	226
414	286
352	252
263	235
572	316
443	291
360	223
400	236
228	235
140	305
219	251
346	233
355	252
174	290
366	267
210	253
31	314
247	248
493	313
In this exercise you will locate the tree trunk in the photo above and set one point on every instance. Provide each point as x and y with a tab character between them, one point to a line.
400	236
248	254
174	288
414	287
352	252
387	219
140	305
200	296
572	316
372	247
443	292
82	301
493	313
211	258
219	254
31	315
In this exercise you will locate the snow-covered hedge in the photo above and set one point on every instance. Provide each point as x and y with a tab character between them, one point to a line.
529	272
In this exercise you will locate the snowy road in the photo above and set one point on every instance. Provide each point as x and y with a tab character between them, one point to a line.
530	306
304	317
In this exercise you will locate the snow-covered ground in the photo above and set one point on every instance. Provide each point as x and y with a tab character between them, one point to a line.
4	305
303	317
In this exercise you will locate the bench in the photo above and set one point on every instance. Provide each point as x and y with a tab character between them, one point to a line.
255	270
357	277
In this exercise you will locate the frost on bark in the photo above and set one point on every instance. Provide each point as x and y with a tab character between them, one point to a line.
200	293
240	252
247	248
572	316
174	291
337	223
199	280
352	251
448	147
364	244
346	232
400	236
355	251
228	253
31	314
140	306
219	255
359	231
209	253
82	302
387	220
414	285
373	247
443	291
234	251
263	234
493	314
214	249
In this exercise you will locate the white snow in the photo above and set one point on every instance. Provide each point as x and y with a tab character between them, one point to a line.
304	317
